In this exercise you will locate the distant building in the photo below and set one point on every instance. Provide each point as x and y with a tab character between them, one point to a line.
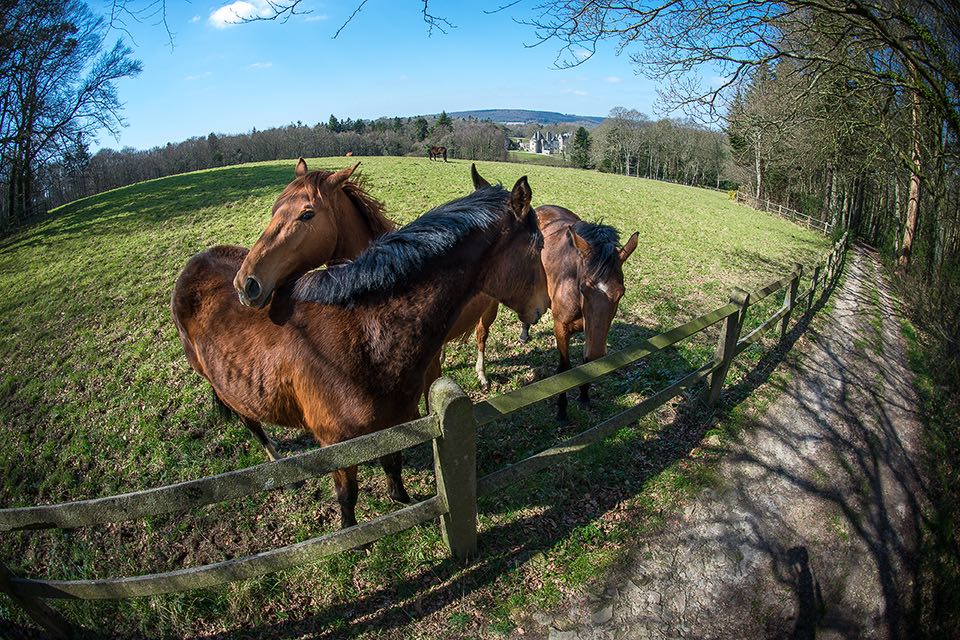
548	143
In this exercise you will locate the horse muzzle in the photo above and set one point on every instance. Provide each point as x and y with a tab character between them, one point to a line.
252	294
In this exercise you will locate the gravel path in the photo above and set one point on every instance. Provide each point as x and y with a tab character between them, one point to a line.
812	532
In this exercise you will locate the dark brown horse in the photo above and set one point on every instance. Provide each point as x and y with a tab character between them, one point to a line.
584	266
344	353
437	152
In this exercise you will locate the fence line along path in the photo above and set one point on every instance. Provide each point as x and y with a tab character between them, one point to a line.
793	215
452	426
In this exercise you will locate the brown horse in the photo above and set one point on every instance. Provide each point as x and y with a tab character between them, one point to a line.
344	353
436	152
320	217
584	266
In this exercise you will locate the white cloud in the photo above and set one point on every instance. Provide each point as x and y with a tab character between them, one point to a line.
583	54
194	19
238	11
260	65
317	17
613	79
199	76
576	92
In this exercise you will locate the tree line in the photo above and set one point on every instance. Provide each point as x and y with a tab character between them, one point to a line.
675	150
75	172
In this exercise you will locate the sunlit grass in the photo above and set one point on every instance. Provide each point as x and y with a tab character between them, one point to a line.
98	399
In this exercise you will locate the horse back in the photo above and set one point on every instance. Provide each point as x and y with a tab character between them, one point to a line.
196	288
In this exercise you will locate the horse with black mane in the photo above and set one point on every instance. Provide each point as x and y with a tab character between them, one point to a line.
343	352
437	152
584	266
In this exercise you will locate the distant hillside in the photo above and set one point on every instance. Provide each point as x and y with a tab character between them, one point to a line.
527	115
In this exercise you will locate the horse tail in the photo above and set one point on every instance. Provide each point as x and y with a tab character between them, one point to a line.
220	408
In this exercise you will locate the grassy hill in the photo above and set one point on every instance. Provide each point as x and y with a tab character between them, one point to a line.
96	398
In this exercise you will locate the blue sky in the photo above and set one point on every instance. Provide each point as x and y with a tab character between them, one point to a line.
229	79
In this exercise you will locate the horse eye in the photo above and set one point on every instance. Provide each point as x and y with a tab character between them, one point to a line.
306	215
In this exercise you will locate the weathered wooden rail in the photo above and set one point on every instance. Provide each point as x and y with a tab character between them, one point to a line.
452	426
785	212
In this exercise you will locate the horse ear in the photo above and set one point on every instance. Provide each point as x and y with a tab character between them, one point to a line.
582	246
301	168
478	181
520	198
334	180
629	247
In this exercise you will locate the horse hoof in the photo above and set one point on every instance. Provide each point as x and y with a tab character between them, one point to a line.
400	496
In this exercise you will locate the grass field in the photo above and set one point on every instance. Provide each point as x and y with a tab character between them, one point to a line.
96	398
525	157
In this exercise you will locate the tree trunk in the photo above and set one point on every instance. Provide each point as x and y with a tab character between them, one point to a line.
913	202
756	157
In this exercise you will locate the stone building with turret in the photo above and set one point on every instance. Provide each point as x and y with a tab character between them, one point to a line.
548	143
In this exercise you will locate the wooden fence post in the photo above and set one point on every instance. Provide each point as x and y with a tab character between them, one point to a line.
790	298
727	344
813	287
455	466
38	610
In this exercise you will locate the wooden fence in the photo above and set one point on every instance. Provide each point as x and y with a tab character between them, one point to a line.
452	427
785	212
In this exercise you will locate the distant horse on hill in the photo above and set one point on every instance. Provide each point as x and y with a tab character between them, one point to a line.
343	352
437	152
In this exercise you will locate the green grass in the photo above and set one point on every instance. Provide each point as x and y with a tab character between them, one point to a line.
98	399
525	157
940	543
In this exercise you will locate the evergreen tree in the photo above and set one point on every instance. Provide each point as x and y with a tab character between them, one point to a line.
420	127
581	149
334	125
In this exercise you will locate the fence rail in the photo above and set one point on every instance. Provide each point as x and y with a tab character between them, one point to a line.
785	212
452	427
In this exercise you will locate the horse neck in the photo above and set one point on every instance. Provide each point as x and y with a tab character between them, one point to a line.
409	329
353	232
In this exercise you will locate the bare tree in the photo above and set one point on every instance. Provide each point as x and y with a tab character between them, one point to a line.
58	87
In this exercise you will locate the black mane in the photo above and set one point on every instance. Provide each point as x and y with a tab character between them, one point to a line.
604	241
398	258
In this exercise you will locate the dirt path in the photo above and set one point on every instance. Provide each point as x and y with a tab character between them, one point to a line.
812	533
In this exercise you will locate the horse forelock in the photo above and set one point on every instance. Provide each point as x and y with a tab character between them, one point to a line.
398	258
604	257
369	207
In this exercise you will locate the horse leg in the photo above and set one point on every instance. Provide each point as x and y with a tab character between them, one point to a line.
392	463
562	335
430	376
257	430
483	331
345	484
524	332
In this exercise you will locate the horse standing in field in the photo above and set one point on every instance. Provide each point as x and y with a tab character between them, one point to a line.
584	266
437	152
345	353
320	217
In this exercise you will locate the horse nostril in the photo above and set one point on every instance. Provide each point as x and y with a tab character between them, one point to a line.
251	287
